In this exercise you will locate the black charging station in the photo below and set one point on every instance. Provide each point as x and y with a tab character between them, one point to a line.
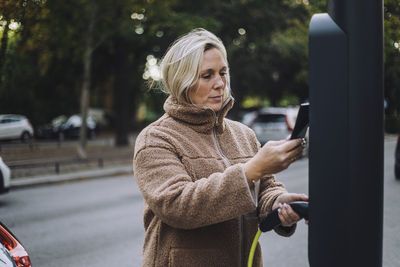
346	135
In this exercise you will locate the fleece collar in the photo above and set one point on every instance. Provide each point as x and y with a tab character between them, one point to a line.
201	119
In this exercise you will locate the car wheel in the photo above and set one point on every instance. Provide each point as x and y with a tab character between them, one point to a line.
25	137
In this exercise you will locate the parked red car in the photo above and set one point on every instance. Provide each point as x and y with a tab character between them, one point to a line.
12	253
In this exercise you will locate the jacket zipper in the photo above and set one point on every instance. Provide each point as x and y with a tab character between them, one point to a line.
228	164
214	134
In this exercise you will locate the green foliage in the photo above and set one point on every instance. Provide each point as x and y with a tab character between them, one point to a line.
392	55
267	44
254	102
289	100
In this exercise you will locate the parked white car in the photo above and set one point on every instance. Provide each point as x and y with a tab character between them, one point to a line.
72	127
14	127
5	174
270	123
273	124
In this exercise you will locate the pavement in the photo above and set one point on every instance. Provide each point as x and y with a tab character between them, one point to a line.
48	162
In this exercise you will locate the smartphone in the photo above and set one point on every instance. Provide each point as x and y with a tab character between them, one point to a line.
301	125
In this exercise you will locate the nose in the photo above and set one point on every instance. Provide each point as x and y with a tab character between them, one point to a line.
219	83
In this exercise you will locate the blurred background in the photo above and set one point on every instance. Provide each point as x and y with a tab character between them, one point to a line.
64	60
53	51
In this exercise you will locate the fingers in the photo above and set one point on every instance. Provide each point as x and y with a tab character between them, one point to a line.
293	144
287	216
275	143
293	149
303	142
290	197
295	153
302	197
276	156
290	149
296	197
290	144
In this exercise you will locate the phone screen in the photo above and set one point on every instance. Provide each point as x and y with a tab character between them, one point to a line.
300	128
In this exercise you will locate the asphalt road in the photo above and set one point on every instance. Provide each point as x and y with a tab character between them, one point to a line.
99	222
87	223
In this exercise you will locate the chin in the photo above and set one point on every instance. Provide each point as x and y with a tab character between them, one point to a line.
216	108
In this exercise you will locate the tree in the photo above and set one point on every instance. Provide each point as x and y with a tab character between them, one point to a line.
265	60
392	56
43	57
87	68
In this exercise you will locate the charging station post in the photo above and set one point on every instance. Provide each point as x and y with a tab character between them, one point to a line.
346	134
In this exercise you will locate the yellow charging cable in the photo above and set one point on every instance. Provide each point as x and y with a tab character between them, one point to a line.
253	249
271	221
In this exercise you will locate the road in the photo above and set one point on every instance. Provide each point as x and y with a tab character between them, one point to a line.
99	222
89	223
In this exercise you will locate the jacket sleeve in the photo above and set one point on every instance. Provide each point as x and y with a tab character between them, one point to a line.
269	191
182	203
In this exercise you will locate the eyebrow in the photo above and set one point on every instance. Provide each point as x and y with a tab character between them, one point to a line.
210	70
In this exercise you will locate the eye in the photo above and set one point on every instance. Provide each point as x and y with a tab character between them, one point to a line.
223	73
206	76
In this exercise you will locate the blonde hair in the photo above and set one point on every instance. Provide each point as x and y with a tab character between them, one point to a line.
180	66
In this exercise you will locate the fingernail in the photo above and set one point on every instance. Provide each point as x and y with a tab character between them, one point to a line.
303	142
279	211
285	206
280	205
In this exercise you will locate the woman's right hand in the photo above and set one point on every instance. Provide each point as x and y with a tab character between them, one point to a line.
273	157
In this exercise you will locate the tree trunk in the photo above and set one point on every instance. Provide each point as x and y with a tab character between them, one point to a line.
85	95
4	44
121	97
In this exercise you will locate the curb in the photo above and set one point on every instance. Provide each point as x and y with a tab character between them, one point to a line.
89	174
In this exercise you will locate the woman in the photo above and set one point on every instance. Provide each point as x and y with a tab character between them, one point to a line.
204	178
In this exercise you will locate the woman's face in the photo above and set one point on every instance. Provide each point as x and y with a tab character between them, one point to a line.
209	89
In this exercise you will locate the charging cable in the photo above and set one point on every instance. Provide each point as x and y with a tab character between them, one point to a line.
272	221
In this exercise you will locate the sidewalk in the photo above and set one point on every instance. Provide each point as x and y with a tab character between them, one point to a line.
50	162
79	175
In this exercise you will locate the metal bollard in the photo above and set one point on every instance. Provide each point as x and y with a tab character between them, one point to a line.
57	165
100	161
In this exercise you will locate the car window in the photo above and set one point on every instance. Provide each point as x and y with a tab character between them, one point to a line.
8	120
271	118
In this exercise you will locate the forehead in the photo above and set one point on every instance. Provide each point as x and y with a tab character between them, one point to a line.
212	59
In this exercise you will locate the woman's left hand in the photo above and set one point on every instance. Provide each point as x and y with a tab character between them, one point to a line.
287	215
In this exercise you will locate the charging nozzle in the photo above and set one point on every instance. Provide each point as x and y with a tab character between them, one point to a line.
272	220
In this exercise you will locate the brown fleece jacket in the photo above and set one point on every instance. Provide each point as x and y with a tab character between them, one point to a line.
199	209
